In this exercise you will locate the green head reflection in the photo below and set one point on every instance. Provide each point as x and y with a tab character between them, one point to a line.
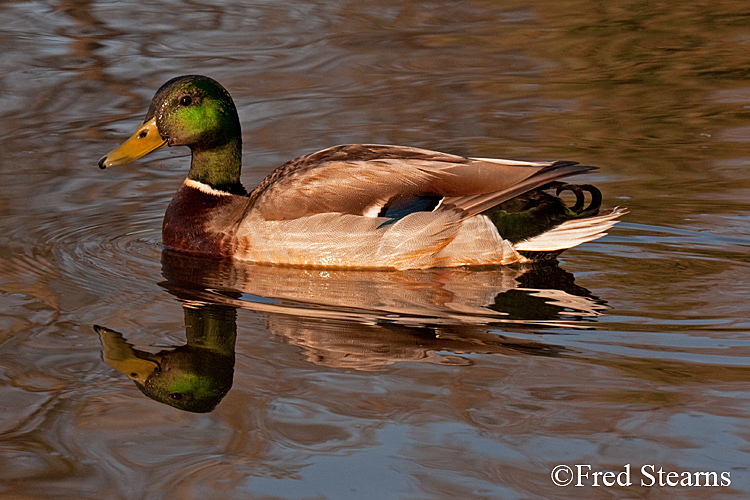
192	377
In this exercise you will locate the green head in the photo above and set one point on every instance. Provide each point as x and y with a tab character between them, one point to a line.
194	111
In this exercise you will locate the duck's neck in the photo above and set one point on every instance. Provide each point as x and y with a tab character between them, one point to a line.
219	166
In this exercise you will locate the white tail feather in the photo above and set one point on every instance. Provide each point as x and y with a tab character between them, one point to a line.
514	162
572	233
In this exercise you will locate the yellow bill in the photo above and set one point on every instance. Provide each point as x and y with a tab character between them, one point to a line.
121	356
145	140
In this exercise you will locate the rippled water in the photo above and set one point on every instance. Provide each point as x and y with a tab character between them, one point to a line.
437	384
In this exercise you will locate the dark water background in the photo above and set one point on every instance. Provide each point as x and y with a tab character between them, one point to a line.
424	385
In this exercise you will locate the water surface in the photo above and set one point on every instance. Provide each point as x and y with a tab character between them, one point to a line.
436	384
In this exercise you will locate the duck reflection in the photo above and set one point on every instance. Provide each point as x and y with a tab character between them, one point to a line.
192	377
346	318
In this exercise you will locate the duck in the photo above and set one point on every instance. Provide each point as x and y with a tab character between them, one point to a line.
370	206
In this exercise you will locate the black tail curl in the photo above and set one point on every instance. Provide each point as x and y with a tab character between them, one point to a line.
578	190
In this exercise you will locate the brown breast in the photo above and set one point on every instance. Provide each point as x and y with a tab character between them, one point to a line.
202	221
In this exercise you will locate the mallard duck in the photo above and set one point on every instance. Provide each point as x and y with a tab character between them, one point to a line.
356	205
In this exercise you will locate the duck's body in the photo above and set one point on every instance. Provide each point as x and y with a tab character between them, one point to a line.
369	206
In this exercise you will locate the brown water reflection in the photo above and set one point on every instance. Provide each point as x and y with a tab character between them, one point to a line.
413	387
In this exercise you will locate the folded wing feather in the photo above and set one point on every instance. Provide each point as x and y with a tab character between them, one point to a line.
356	179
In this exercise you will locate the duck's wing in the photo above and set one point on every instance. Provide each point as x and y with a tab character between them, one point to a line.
366	179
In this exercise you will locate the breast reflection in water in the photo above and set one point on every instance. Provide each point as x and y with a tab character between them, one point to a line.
345	318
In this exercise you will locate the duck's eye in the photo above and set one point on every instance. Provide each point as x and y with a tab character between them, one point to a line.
186	100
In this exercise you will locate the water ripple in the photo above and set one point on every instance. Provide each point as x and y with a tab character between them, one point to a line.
98	252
